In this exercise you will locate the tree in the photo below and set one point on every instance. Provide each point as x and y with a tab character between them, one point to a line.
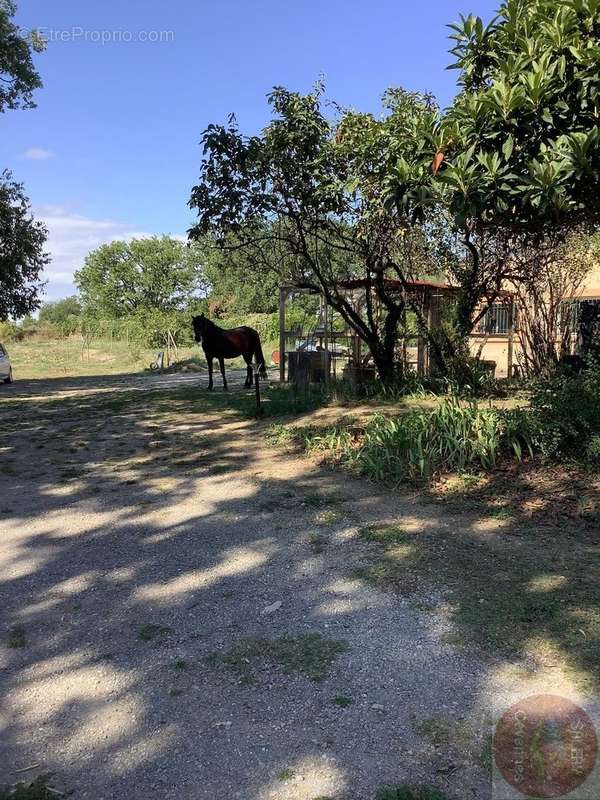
518	155
157	274
547	300
65	314
18	76
306	200
235	286
22	256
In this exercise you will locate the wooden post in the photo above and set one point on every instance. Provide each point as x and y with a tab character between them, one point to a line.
282	301
325	343
257	390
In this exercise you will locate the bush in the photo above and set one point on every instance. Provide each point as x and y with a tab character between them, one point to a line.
566	409
454	436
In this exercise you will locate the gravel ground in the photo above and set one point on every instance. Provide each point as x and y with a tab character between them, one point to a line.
112	522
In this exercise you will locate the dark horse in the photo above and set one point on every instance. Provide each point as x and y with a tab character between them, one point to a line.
220	344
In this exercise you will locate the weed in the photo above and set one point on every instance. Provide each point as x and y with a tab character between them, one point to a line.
342	701
16	637
36	790
383	534
180	664
148	631
327	517
285	774
409	793
309	654
317	542
321	499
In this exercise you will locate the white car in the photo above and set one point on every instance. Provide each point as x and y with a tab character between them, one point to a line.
6	373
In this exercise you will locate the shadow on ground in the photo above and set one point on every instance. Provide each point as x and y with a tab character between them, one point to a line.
142	535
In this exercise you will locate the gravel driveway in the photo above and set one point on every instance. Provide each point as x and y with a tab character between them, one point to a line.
169	587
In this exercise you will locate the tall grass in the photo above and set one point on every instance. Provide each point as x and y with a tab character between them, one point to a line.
453	436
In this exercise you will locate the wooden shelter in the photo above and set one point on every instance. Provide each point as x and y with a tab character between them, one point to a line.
313	354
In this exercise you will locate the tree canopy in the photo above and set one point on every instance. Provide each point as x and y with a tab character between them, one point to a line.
157	274
22	256
18	76
416	191
22	239
521	140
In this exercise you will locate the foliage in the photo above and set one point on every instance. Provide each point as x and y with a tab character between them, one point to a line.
521	140
567	412
153	275
64	314
546	300
309	654
236	287
36	790
307	200
21	251
18	76
409	793
21	238
453	436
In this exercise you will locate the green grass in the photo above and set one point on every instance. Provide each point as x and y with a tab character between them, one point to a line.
57	358
317	541
36	790
148	631
409	793
285	774
16	637
309	654
383	534
453	436
529	595
342	701
327	517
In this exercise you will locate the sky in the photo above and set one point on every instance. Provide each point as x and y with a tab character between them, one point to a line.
112	149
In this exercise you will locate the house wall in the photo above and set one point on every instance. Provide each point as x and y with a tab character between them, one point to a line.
591	288
495	348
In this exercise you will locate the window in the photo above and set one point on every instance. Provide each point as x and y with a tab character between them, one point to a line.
495	321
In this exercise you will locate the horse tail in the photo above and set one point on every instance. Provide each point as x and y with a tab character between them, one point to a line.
260	359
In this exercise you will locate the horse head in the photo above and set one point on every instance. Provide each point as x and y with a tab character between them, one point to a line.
200	325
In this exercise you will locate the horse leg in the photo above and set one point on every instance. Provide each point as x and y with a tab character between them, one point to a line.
249	371
222	365
209	361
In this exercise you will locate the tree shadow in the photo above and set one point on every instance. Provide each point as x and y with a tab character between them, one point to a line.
139	539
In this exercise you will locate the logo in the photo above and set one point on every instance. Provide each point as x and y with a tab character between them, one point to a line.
545	746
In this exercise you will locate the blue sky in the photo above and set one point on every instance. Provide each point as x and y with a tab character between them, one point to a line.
112	148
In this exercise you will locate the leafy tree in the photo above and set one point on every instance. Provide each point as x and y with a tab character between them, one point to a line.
306	200
22	256
18	76
516	159
522	140
235	286
157	274
59	311
65	314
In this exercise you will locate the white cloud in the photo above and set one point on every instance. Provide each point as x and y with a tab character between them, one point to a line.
38	154
70	239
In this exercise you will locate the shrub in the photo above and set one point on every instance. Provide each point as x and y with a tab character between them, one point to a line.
566	409
454	436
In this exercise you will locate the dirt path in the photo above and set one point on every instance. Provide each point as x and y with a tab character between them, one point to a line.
170	585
